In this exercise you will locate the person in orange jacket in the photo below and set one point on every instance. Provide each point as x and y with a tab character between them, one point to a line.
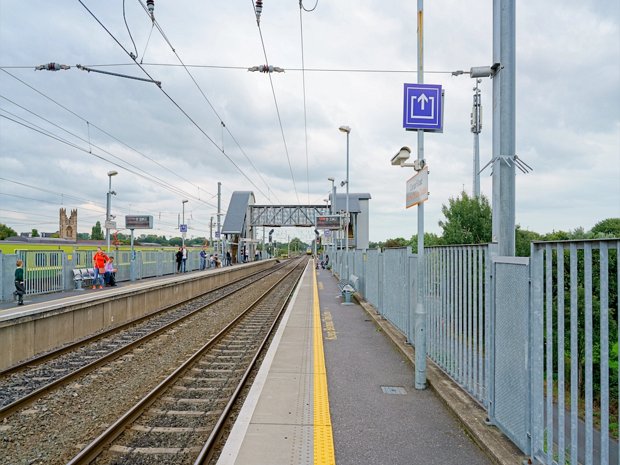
99	261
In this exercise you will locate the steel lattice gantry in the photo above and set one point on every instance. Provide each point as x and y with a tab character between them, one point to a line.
286	215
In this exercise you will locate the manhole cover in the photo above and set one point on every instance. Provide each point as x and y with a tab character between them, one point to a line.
393	390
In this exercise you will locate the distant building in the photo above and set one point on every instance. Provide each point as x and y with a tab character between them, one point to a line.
68	225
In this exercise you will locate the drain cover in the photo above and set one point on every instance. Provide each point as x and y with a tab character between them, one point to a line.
393	390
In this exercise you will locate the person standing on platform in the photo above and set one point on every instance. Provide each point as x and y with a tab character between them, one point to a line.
228	258
203	259
99	261
20	289
179	258
184	258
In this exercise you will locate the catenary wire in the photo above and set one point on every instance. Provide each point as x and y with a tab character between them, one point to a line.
35	128
301	5
173	101
303	84
204	96
100	129
128	30
146	175
275	100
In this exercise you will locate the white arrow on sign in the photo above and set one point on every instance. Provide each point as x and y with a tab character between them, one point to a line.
422	100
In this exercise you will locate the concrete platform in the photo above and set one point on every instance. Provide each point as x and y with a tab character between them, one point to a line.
334	389
52	320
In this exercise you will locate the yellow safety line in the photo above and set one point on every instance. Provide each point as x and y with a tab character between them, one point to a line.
323	437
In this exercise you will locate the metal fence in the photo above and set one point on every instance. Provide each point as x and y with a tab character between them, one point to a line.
457	280
47	271
575	351
43	270
535	342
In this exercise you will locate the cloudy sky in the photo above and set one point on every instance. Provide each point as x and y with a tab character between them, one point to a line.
61	132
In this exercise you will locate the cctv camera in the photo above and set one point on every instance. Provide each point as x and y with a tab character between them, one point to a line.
402	156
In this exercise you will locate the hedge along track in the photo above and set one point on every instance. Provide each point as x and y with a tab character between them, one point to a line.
26	382
180	420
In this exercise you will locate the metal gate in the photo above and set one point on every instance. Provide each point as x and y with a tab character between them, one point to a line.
509	388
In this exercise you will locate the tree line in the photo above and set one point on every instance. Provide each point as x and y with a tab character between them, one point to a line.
468	220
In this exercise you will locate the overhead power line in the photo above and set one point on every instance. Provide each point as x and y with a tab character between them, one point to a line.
246	68
209	138
136	170
273	91
174	173
303	85
222	123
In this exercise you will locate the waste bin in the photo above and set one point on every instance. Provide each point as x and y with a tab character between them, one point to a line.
347	292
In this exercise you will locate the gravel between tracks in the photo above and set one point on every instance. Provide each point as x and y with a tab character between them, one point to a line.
57	426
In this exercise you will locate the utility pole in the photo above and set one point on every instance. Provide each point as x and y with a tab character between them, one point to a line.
476	128
211	233
504	127
219	213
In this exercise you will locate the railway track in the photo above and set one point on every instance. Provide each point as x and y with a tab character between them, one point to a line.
180	420
22	384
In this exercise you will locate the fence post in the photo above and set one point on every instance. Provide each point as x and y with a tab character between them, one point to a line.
536	351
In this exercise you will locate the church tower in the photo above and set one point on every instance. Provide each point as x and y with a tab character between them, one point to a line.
68	225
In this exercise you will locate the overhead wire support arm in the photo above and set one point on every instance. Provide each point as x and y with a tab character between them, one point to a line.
84	68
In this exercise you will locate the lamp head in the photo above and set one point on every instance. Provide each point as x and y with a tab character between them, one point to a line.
346	129
184	201
401	157
331	179
112	173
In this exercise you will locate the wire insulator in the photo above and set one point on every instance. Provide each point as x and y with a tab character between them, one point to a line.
259	10
150	5
52	67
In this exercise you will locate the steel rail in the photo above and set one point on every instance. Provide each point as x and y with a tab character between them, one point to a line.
36	394
98	445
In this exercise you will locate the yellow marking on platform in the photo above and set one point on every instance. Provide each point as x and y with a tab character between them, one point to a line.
323	436
330	329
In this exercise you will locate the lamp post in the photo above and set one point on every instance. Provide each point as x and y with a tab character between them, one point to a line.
183	202
108	207
347	130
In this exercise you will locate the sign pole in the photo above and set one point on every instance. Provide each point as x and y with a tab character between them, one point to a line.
420	311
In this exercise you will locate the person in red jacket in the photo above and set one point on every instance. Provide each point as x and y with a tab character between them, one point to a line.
99	261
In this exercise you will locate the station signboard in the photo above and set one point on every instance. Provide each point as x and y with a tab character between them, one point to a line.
417	188
328	222
138	222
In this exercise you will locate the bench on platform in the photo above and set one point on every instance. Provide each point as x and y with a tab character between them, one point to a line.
83	277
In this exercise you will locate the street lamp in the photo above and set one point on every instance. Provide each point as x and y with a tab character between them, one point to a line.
108	207
347	130
183	223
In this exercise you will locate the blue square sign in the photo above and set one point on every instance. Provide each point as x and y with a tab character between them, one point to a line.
422	107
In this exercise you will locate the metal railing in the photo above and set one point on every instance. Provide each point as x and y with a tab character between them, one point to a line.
457	280
575	351
47	271
43	270
534	341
